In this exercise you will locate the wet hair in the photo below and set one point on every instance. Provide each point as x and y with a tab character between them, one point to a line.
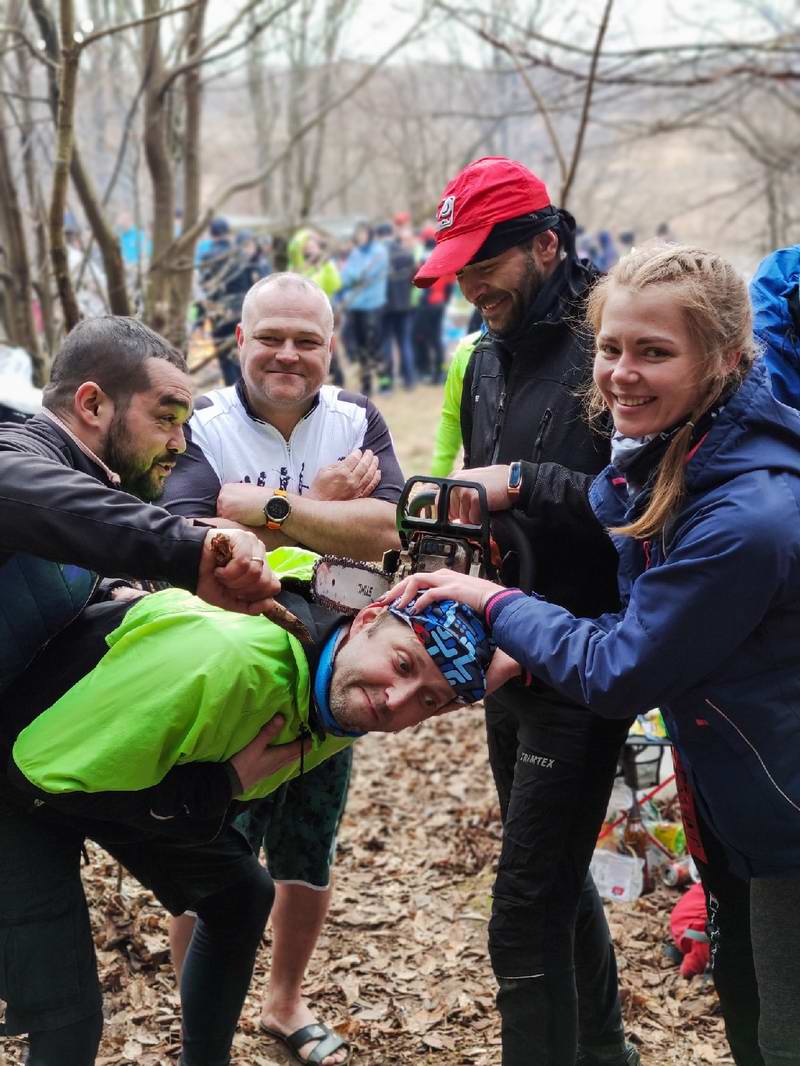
112	351
714	301
288	279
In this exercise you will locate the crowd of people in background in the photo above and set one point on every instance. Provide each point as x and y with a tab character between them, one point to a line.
391	332
394	334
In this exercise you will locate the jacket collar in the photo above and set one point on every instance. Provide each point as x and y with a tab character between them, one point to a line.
241	393
112	477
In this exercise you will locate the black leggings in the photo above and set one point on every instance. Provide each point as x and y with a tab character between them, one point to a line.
364	331
553	764
775	929
755	953
72	1045
219	966
215	980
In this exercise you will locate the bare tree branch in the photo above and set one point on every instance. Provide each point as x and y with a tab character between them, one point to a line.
204	57
120	27
770	45
538	99
178	247
584	119
25	40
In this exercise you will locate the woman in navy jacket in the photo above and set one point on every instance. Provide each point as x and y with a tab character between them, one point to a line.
702	500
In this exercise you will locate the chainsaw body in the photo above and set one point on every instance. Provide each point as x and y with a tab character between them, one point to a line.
428	541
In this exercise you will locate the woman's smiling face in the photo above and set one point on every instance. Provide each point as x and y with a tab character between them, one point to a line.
647	366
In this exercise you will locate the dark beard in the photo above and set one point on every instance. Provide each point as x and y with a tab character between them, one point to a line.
120	456
529	288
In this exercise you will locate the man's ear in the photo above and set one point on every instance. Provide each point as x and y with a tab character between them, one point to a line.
239	336
92	407
546	247
365	617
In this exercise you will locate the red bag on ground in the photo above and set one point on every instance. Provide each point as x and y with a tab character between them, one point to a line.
688	924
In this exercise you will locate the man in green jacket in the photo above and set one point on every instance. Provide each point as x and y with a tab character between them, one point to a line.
148	731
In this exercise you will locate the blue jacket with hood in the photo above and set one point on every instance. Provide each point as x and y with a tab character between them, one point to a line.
709	630
775	296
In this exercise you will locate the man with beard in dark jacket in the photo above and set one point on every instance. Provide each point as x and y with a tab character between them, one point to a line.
553	763
72	482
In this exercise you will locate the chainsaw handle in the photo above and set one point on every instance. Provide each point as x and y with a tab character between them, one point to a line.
422	501
408	509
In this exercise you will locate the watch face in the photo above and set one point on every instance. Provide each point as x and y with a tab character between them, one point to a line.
277	508
514	476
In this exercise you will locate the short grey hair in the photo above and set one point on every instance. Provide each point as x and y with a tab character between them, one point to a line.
288	279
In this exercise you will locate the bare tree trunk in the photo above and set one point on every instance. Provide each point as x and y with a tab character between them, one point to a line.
181	289
19	292
106	241
68	80
159	163
36	201
334	16
263	128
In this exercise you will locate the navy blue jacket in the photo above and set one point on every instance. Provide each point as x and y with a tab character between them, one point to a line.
775	294
709	631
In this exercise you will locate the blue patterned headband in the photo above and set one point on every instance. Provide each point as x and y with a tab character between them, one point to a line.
457	641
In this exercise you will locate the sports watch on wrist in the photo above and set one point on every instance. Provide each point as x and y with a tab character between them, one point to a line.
514	484
277	509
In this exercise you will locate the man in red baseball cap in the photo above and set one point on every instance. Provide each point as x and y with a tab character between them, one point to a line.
526	440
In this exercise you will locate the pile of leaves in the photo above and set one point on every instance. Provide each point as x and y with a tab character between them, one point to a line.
402	968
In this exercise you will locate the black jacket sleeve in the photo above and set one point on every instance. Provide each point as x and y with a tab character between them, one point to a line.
62	514
191	802
555	495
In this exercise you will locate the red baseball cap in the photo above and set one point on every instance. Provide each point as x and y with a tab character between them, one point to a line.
487	191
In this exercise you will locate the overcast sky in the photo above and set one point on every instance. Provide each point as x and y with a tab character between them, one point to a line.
634	23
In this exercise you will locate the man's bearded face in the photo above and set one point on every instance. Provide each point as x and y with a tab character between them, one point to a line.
383	679
503	288
141	473
145	436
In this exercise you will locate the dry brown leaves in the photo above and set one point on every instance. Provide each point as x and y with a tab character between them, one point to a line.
401	969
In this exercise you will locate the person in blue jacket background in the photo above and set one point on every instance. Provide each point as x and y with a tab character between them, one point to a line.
775	293
362	297
702	500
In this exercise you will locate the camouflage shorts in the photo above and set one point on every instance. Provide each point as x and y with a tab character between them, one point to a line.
297	824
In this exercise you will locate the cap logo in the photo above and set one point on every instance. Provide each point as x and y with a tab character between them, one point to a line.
444	217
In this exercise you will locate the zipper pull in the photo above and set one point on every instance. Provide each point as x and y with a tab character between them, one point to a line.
545	422
498	426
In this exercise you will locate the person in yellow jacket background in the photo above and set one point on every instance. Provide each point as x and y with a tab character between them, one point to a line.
306	252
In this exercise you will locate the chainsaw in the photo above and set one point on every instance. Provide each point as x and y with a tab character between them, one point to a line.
428	541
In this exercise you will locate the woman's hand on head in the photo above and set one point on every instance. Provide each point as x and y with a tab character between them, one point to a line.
441	585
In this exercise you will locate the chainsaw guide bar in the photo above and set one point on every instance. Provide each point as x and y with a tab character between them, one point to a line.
347	586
